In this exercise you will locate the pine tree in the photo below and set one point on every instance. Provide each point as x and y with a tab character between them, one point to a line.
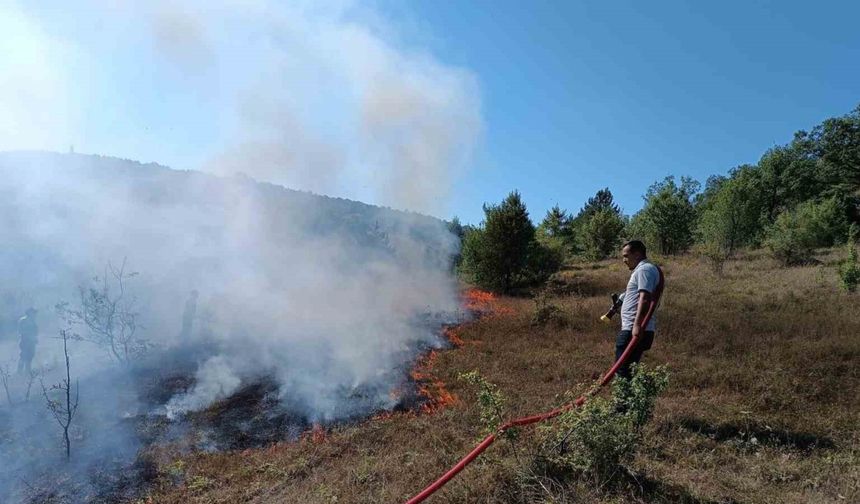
496	254
602	200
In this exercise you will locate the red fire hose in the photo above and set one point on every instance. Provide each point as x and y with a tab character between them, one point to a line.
518	422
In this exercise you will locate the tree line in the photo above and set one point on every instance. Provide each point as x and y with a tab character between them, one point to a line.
800	196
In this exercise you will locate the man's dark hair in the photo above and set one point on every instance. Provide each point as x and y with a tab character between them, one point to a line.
636	246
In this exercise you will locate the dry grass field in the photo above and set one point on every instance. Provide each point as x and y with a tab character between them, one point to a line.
763	404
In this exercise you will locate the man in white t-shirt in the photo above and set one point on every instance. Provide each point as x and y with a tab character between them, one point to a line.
641	292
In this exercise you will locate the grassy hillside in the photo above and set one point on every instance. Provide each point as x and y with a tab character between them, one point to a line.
762	404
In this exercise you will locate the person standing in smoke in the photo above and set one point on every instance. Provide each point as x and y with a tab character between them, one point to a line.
188	315
28	333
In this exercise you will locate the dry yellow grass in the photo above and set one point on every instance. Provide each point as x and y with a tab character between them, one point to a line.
762	405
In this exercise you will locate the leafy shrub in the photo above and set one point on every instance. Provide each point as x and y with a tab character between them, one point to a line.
503	253
491	402
545	311
556	231
596	440
544	259
796	233
601	234
730	212
668	219
849	270
714	253
791	239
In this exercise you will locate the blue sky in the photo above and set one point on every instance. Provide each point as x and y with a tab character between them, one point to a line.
582	95
436	106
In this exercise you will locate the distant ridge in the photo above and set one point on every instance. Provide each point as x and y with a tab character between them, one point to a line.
32	158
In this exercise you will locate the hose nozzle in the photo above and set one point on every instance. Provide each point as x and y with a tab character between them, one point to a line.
617	300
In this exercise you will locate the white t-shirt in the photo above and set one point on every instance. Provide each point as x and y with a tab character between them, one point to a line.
644	277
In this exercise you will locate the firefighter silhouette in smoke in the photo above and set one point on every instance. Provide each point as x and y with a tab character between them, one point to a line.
188	315
28	335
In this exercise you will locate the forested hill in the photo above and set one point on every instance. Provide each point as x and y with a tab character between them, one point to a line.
158	185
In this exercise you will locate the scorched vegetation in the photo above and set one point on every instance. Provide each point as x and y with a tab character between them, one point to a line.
761	405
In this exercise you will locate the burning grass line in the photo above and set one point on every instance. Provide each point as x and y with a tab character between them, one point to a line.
484	303
316	434
431	387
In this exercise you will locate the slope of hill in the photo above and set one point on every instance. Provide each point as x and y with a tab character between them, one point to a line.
183	289
761	406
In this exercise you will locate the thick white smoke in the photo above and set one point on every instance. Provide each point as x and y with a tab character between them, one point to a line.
289	285
214	380
322	96
329	298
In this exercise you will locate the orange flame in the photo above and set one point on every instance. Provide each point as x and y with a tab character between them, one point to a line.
430	386
484	302
474	299
453	337
316	434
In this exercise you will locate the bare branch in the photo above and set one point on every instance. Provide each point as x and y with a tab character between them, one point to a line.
108	314
5	374
63	410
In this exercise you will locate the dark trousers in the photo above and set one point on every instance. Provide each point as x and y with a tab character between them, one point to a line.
25	360
621	341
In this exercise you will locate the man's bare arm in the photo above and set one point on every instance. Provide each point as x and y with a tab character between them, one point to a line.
641	309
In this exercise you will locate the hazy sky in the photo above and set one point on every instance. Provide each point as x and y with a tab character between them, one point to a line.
436	106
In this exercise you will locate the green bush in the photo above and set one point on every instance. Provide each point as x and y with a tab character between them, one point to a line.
796	234
503	253
791	239
491	402
729	215
557	232
598	439
668	219
601	234
543	261
849	270
714	253
546	311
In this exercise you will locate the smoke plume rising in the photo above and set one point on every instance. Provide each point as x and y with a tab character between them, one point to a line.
328	299
326	96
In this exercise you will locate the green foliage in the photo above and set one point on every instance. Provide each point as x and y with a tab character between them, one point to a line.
503	251
602	200
601	234
730	212
796	233
596	440
544	259
730	215
799	196
491	402
556	223
835	146
546	311
455	227
715	254
556	233
791	238
459	231
819	164
788	177
636	397
849	270
668	219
